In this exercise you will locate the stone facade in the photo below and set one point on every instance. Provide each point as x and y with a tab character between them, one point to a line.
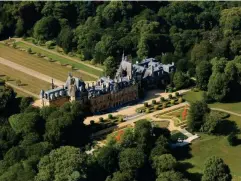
108	93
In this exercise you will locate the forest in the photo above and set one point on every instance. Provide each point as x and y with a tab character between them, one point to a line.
193	35
50	144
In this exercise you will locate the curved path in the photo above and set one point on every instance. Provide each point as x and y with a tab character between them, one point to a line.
30	72
56	53
145	116
226	111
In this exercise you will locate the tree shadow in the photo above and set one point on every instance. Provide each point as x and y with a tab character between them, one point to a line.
225	127
23	84
182	153
183	168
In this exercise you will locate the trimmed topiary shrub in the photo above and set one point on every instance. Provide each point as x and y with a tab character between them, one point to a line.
29	50
180	100
110	116
172	102
156	107
92	122
153	102
145	104
147	110
121	119
164	105
177	94
170	96
101	119
162	99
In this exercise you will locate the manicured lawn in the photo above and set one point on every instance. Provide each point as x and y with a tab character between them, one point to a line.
39	64
161	124
62	60
235	107
209	145
54	48
192	96
175	115
28	82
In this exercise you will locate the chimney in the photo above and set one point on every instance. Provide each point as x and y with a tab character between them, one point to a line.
52	84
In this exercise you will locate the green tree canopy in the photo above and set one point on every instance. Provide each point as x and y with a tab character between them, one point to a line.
216	169
46	29
203	73
65	163
196	115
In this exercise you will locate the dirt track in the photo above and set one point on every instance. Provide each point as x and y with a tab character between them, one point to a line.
30	72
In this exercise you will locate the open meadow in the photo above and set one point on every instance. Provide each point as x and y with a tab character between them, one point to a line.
28	82
41	65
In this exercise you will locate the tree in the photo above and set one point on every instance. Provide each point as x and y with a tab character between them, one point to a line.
58	127
163	163
46	29
161	147
196	115
120	176
170	176
211	122
131	159
218	86
232	139
25	122
180	80
216	169
25	102
142	133
65	39
107	159
201	52
229	20
110	66
203	72
64	163
128	139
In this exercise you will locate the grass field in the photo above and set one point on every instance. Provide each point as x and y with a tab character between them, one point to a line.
192	96
209	145
60	59
29	83
161	124
197	96
54	48
39	64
